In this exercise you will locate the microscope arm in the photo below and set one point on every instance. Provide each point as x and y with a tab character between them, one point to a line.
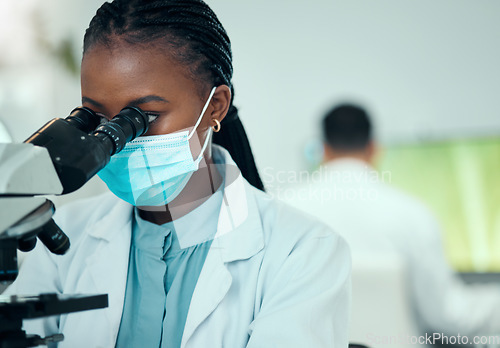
25	170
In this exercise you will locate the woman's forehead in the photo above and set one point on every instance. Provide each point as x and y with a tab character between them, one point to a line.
129	66
130	61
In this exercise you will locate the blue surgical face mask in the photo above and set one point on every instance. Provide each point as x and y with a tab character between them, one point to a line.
153	170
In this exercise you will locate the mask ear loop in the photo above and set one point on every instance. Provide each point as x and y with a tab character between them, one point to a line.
202	112
198	160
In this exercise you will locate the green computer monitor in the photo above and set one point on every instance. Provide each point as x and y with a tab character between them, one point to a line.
460	182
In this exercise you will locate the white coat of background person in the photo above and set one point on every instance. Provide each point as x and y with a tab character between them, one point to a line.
376	218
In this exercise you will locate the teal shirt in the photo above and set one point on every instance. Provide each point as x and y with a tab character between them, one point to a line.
164	266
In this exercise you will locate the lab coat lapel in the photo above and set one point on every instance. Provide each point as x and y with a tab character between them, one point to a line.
108	265
239	236
213	284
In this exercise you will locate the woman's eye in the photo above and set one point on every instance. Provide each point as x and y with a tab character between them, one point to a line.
102	119
152	116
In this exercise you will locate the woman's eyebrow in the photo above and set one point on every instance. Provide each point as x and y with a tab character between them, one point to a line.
138	101
147	99
91	101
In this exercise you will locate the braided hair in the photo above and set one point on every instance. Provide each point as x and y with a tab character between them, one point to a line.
196	39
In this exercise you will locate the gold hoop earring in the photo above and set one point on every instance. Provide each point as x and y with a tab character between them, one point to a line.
216	128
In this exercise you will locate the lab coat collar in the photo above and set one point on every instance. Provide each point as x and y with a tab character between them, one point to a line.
245	237
107	265
113	222
239	232
347	164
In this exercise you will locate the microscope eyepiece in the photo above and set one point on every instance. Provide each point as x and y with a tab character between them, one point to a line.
83	119
130	123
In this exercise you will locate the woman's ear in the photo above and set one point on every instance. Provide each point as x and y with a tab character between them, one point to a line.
220	102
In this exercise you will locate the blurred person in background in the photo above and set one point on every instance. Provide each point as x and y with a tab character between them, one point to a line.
377	218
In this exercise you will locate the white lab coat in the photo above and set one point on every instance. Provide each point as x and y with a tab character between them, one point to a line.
272	278
374	218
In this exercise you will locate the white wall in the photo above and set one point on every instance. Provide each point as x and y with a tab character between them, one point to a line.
425	68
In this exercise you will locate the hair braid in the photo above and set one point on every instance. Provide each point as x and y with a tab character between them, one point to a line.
196	38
